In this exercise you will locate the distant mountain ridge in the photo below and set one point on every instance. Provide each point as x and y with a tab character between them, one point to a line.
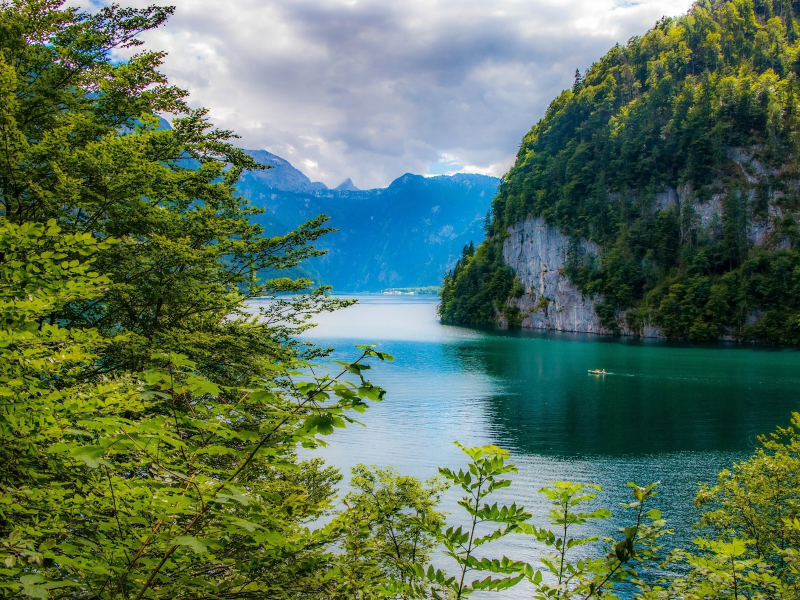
283	176
406	235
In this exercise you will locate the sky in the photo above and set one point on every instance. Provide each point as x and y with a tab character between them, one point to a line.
373	89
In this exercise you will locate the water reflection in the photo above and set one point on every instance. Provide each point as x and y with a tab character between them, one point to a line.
671	413
537	396
656	398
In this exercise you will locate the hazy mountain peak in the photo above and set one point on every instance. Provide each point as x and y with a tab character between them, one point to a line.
283	176
347	186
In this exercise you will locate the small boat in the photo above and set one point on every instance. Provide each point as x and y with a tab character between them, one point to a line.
597	371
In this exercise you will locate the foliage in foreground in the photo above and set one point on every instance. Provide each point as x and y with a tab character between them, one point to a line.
671	109
747	547
153	484
148	417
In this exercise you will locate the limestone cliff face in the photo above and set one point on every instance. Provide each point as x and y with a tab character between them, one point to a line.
538	253
761	231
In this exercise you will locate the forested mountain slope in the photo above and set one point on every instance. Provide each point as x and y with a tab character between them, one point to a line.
668	178
406	235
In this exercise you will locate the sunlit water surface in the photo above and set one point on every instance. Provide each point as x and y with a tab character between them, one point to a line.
672	413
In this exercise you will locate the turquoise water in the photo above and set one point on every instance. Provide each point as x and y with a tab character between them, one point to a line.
664	412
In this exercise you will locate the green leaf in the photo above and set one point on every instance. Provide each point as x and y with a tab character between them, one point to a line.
262	396
322	424
654	514
91	455
190	542
35	591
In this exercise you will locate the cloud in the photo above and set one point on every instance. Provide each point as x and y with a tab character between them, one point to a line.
372	89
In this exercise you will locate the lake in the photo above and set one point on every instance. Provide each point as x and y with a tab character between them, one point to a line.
674	413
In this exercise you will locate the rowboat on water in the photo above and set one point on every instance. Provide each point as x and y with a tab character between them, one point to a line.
597	371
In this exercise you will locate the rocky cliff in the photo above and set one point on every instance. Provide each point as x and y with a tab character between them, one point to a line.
537	253
686	178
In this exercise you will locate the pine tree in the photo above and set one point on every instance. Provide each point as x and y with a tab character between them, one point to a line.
576	87
791	26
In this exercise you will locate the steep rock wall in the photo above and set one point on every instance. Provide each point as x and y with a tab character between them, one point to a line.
538	253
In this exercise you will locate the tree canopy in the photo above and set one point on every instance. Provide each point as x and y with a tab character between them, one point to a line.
149	417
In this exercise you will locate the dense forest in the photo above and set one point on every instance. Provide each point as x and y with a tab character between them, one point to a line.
678	155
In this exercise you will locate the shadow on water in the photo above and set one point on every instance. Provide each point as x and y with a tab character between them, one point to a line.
673	413
656	397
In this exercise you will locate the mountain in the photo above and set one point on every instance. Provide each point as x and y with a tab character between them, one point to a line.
659	196
406	235
283	176
346	186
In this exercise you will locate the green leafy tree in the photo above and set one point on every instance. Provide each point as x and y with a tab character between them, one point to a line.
723	570
758	502
81	145
149	419
160	484
593	573
385	533
589	576
483	477
751	532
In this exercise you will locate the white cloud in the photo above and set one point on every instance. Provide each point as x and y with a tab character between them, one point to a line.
496	170
372	89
